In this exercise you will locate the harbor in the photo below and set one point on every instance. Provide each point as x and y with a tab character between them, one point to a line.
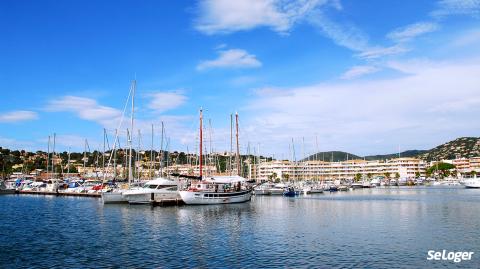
375	228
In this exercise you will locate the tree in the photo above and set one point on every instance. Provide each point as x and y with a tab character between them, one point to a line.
369	175
473	173
417	174
358	176
440	168
285	176
387	175
397	175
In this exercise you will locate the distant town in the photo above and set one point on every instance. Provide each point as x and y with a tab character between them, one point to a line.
464	162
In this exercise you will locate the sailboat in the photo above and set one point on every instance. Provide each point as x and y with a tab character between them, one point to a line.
115	195
217	189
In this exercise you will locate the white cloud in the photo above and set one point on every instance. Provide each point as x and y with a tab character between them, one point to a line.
87	109
225	16
343	34
457	7
232	58
379	52
354	116
411	31
18	115
163	101
359	70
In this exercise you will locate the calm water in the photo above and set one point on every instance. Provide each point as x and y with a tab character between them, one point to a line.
375	228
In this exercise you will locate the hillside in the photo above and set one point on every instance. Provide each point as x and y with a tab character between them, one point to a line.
332	155
408	153
463	147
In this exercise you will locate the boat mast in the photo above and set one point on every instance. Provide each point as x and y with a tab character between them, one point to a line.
238	149
201	143
161	152
231	143
68	162
48	155
53	155
151	157
130	174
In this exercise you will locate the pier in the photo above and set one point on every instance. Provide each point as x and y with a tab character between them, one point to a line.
93	195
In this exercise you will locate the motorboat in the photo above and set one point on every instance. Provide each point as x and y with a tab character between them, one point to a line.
290	192
153	190
376	182
263	189
277	189
473	183
357	185
217	190
343	188
4	189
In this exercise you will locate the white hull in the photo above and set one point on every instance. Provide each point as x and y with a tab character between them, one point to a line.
213	198
275	191
146	197
261	192
472	183
113	198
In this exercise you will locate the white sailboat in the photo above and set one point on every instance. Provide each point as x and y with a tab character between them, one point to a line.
219	189
115	195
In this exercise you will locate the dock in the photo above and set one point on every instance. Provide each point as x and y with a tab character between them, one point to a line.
93	195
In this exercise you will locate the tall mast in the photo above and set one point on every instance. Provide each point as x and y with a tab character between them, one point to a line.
84	156
130	141
201	143
115	155
53	155
103	155
68	162
48	154
231	143
151	157
160	159
238	148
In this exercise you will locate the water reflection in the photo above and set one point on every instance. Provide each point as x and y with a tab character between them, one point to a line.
374	228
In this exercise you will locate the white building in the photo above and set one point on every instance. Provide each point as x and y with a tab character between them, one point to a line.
319	170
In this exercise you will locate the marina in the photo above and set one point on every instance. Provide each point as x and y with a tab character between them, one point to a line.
377	227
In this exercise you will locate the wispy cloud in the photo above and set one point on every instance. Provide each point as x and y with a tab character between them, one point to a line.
354	115
456	7
232	58
359	70
225	16
86	108
18	116
163	101
411	31
378	52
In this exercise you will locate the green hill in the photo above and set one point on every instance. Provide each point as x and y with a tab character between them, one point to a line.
463	147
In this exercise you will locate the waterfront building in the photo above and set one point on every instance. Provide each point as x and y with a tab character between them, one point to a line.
320	170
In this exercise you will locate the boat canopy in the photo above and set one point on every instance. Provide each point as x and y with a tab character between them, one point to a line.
161	181
225	179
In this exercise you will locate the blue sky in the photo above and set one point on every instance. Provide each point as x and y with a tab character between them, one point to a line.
366	77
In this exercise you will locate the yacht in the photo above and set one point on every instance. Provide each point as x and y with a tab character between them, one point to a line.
277	189
473	183
376	182
263	189
217	190
156	189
